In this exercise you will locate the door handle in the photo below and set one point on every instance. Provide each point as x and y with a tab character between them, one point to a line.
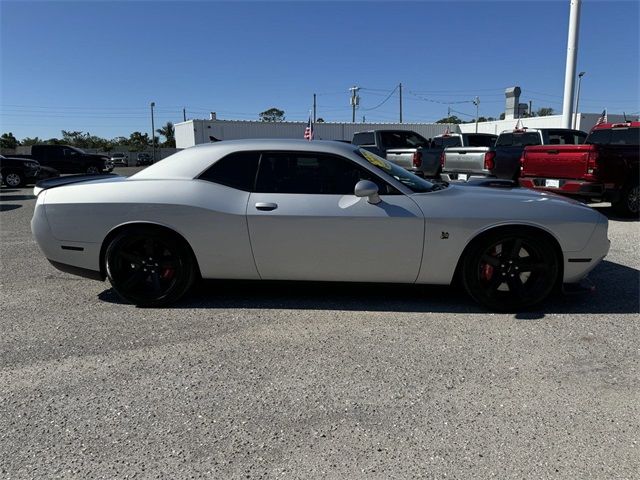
266	206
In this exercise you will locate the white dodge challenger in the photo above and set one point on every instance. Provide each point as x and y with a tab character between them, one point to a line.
320	211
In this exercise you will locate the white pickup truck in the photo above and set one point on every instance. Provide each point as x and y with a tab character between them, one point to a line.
412	151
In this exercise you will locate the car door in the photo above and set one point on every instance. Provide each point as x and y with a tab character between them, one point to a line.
305	223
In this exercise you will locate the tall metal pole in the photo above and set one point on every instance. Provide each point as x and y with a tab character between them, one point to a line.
153	133
354	102
184	114
570	71
575	120
314	108
400	102
476	102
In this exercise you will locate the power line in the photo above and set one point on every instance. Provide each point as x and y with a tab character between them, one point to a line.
383	102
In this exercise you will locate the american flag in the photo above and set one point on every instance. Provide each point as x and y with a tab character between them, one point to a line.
308	132
603	117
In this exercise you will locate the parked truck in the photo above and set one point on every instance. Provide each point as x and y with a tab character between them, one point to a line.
503	159
605	168
67	159
412	151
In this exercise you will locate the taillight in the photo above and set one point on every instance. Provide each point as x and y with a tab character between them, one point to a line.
442	157
489	162
522	161
592	162
417	159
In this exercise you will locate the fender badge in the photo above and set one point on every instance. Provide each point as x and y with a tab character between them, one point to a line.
444	235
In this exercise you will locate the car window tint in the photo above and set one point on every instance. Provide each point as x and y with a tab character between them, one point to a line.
560	137
481	140
599	137
237	170
365	138
311	173
625	136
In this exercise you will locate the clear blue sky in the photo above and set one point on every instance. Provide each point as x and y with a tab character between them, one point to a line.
95	66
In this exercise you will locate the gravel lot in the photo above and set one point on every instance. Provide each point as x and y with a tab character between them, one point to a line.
250	380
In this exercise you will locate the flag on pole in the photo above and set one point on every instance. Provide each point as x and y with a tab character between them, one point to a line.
519	125
308	132
603	117
447	132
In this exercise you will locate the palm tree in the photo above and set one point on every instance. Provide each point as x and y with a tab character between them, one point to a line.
168	132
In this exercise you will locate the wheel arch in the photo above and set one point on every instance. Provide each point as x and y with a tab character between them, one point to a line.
146	224
537	229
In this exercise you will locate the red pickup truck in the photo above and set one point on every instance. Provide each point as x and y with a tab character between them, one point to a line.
605	168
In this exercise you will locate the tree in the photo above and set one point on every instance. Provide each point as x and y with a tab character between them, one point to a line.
320	120
272	115
544	112
7	140
139	141
28	141
451	119
168	132
502	116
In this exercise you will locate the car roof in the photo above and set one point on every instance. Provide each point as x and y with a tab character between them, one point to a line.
604	126
190	162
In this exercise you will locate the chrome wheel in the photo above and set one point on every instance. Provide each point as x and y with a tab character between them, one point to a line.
92	170
13	179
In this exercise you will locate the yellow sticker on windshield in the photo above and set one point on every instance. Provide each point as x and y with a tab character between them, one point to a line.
375	160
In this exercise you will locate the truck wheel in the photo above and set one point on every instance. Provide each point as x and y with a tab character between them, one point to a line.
510	270
629	202
92	170
14	179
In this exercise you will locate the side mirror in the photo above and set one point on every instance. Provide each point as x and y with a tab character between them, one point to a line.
366	188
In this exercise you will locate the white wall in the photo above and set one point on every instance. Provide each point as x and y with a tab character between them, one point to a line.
586	121
194	132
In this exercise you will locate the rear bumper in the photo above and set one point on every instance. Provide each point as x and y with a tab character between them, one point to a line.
572	187
463	176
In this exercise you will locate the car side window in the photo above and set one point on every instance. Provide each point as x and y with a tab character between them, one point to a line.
313	173
237	170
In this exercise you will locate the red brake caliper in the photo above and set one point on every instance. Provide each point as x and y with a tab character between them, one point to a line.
486	272
167	273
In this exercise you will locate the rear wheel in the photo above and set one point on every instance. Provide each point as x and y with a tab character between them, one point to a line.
14	179
510	270
629	202
149	267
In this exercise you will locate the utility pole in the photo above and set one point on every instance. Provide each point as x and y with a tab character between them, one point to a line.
449	112
184	114
400	102
355	101
570	71
314	108
575	121
476	102
530	107
153	133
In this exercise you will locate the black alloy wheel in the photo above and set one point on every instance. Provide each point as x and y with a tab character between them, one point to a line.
14	179
149	267
510	270
629	203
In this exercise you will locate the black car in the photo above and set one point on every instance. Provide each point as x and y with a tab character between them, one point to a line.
143	159
67	159
18	172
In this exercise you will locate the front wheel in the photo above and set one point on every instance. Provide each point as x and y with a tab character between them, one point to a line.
92	170
149	267
14	179
510	270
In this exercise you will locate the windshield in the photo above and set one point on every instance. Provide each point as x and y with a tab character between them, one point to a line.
405	177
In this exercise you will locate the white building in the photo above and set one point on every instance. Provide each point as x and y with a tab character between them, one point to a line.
584	122
195	132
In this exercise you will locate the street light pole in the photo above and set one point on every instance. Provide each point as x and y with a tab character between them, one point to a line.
575	120
153	133
476	102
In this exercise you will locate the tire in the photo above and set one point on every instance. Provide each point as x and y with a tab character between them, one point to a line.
92	170
149	267
629	202
14	179
510	270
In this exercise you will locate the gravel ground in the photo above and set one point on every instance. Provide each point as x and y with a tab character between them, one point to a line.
250	380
